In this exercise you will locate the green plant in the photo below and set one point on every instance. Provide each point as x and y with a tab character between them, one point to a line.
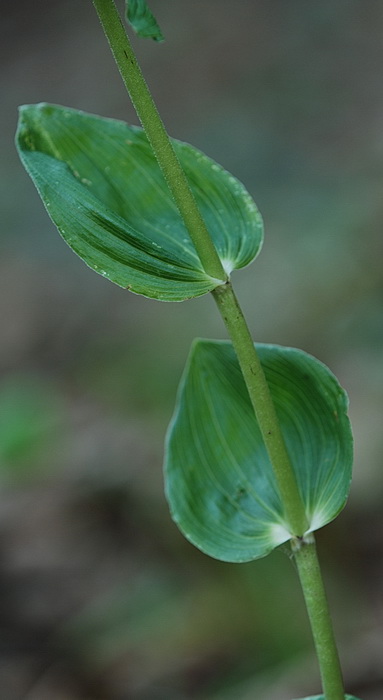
259	451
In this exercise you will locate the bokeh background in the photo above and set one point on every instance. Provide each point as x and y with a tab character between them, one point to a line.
100	596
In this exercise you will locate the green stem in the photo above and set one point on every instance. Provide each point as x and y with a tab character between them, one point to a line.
263	405
304	548
306	559
159	140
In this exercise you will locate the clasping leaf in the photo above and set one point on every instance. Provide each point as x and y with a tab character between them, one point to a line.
102	187
219	481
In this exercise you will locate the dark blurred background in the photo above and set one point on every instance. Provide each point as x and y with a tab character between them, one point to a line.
100	596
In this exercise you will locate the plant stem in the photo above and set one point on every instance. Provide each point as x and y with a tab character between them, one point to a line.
263	405
224	295
306	559
296	522
157	136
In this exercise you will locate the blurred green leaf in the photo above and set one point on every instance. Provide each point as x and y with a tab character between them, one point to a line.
103	188
142	20
219	481
129	617
29	416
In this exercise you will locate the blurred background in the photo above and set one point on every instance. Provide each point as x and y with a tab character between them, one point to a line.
100	596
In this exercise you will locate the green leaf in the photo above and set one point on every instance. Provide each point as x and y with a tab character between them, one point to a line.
103	188
322	697
219	481
142	20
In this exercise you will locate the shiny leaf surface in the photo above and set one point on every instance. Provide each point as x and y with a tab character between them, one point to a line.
103	188
219	481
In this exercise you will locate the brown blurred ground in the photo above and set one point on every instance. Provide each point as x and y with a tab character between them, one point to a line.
100	597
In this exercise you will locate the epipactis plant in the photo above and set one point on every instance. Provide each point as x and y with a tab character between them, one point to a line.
259	450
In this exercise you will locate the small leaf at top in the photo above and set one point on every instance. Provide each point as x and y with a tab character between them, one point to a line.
103	188
219	481
142	20
322	697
